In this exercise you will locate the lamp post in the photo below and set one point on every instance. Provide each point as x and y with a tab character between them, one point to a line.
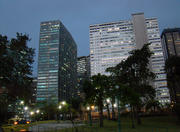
89	114
25	109
63	104
59	107
107	105
31	114
118	103
20	112
22	102
37	111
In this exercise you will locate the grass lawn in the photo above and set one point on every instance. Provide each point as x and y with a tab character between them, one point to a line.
149	124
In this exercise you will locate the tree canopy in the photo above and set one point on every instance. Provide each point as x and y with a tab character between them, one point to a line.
16	60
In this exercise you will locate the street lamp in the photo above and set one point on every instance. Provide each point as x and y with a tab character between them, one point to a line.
88	108
89	114
37	111
107	105
58	115
25	109
118	103
63	102
115	105
31	113
60	107
108	100
92	107
22	102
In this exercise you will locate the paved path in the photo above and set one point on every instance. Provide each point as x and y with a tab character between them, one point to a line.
51	127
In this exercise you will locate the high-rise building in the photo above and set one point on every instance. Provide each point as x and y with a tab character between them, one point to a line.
171	46
83	71
83	66
110	43
57	63
171	42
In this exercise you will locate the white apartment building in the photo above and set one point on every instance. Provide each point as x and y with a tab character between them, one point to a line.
110	43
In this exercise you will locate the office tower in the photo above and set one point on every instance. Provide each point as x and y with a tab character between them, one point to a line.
83	71
57	63
171	42
110	43
171	46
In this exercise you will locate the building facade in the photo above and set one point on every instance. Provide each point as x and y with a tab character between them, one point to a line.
171	42
110	43
57	63
171	46
83	71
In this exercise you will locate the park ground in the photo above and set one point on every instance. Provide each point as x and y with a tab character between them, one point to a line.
149	124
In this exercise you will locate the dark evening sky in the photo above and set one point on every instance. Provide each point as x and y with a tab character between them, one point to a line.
24	16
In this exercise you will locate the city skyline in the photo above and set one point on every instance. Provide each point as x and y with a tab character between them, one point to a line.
25	17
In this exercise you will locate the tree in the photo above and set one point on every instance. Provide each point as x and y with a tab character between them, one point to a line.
16	60
135	75
153	105
172	67
75	110
95	92
111	93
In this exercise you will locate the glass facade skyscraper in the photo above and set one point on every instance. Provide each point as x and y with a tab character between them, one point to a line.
171	46
56	63
110	43
171	42
83	71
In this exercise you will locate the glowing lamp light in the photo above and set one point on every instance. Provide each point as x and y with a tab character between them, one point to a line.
63	103
22	102
108	100
37	111
92	107
115	105
88	108
26	108
60	107
31	113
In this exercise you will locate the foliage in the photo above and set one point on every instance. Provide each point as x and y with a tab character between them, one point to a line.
172	67
153	105
133	76
16	60
135	73
95	92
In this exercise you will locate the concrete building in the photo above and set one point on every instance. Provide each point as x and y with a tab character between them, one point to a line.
111	42
83	71
57	63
